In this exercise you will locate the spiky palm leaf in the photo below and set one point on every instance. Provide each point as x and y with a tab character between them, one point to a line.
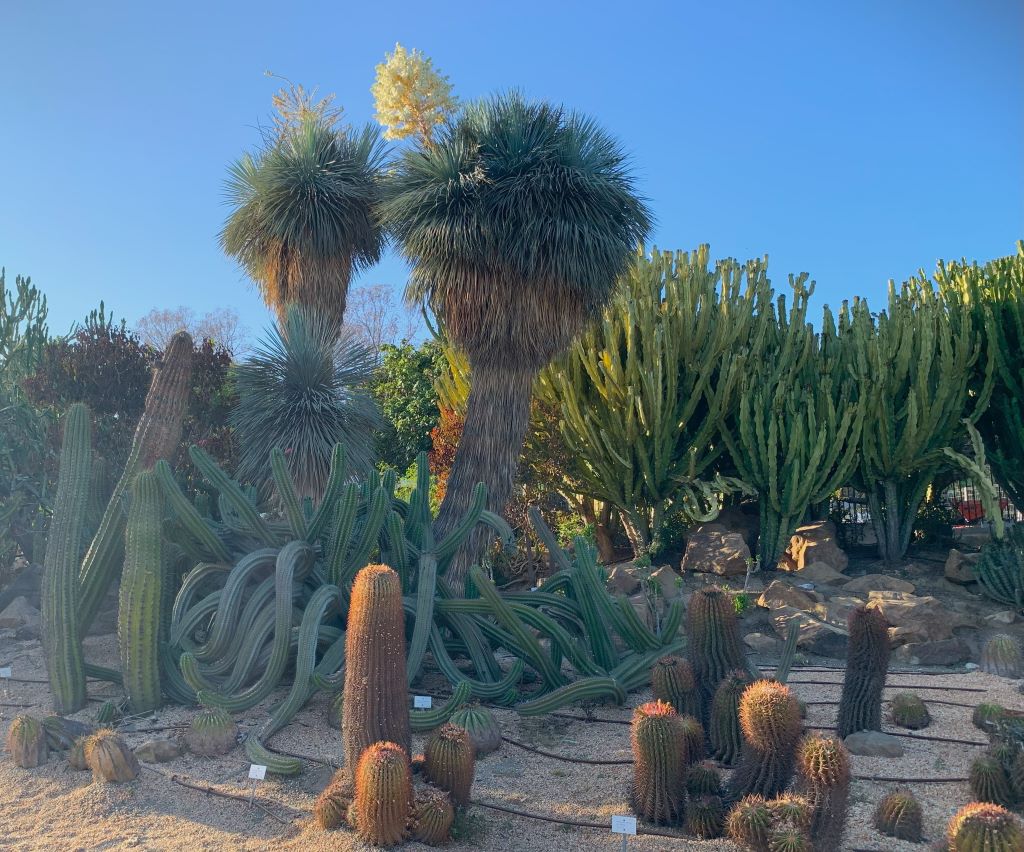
303	390
303	215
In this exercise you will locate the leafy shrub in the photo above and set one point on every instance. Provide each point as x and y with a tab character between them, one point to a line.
404	390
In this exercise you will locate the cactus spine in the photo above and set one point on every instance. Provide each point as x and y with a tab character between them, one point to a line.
109	758
139	617
383	794
433	817
984	827
823	765
660	760
60	594
26	742
770	720
749	823
375	703
909	711
693	739
156	437
867	663
726	737
989	782
703	780
899	815
672	680
715	648
986	715
449	762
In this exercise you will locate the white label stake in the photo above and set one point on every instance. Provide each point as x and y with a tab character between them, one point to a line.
624	825
5	676
256	773
422	702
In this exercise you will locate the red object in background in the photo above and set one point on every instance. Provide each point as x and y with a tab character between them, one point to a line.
971	510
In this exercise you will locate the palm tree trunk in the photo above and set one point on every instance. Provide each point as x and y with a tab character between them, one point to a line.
497	415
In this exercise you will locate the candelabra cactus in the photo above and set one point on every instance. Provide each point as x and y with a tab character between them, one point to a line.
749	823
672	681
909	711
984	827
715	648
867	663
770	720
1002	656
59	592
449	762
376	701
989	782
899	815
726	737
823	767
482	727
26	742
705	817
703	780
109	757
433	817
383	803
659	754
211	732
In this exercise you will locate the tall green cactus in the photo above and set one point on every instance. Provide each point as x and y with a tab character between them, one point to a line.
60	610
867	664
660	761
770	720
139	616
715	648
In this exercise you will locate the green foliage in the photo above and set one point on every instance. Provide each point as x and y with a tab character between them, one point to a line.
23	328
404	390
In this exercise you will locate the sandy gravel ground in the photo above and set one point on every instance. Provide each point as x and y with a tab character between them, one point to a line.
56	808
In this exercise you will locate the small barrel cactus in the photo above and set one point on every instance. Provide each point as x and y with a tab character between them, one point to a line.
789	840
726	737
693	738
109	757
899	815
867	663
990	782
703	780
791	811
984	827
749	823
1002	656
986	715
26	742
211	732
383	803
659	771
823	767
673	682
449	762
433	817
705	817
107	713
909	711
482	727
770	720
330	810
76	755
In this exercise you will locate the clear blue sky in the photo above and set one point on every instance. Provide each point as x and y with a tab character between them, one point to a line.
855	141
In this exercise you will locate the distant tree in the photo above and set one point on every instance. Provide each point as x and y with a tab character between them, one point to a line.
375	317
411	97
404	390
222	326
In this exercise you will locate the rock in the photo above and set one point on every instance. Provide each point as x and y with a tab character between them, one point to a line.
782	594
158	751
960	567
19	613
711	549
836	610
877	583
912	618
821	574
624	580
816	636
641	605
736	519
814	543
1005	616
873	744
25	584
944	652
762	643
668	582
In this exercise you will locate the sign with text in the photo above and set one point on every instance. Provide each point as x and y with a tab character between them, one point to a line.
422	702
257	772
623	825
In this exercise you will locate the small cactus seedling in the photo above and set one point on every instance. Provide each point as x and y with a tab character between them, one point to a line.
330	810
770	720
26	742
899	815
715	648
659	754
705	817
211	732
449	762
986	715
1002	656
990	782
726	737
984	827
749	823
109	757
433	817
909	711
823	767
673	682
867	663
482	727
383	803
703	780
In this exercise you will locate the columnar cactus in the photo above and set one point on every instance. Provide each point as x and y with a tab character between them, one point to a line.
433	817
59	593
984	827
770	720
482	727
139	614
909	711
659	754
109	757
156	437
1002	656
449	762
26	742
705	817
383	804
990	782
376	699
107	713
330	810
899	815
715	648
823	767
211	732
673	681
867	663
726	737
749	823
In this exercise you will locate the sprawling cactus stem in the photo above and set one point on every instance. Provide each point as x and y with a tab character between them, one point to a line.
749	823
433	817
984	827
60	611
659	753
990	782
909	711
673	681
823	766
899	815
383	802
156	437
770	720
139	617
376	706
109	757
1002	656
867	663
726	737
715	648
26	742
450	762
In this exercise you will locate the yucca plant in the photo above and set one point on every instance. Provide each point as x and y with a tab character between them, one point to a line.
303	390
517	221
302	217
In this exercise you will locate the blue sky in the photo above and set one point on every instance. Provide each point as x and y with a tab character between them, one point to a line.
855	141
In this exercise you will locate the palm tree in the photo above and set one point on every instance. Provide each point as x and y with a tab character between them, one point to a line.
303	215
517	220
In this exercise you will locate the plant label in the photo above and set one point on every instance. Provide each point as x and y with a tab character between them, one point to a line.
5	673
623	825
257	772
422	702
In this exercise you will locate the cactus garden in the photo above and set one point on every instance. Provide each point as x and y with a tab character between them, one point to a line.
575	535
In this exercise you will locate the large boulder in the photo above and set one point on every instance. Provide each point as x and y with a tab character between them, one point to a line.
742	519
877	583
712	549
960	567
822	575
814	543
873	744
624	580
815	637
915	618
944	652
19	613
782	594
